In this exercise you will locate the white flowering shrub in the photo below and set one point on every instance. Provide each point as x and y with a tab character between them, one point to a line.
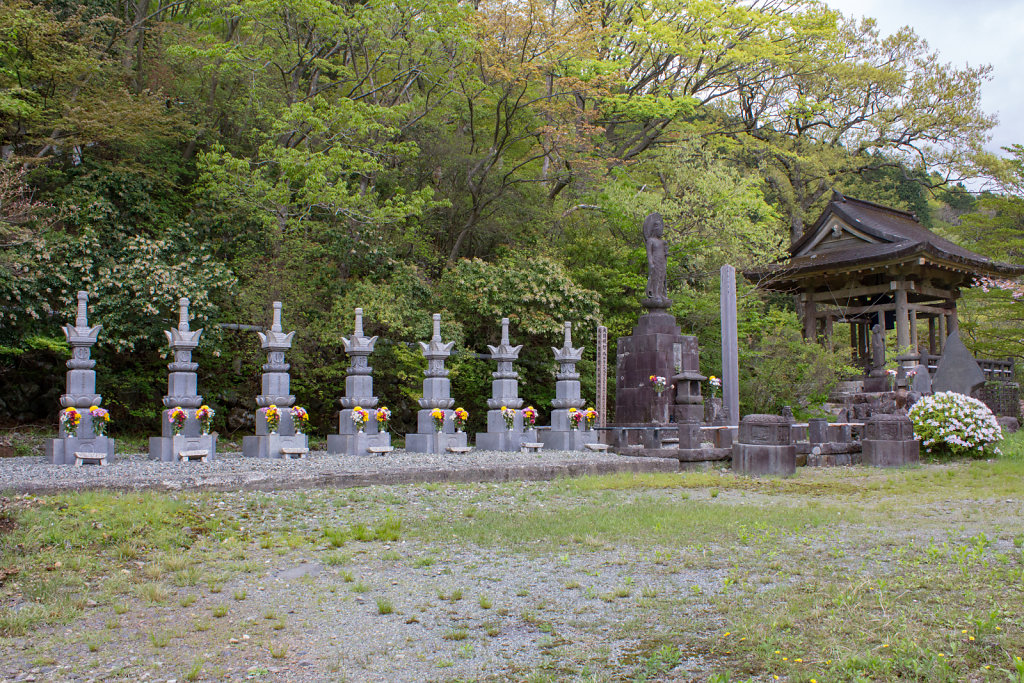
948	422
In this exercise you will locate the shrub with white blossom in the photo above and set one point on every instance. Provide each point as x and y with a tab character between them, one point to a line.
948	422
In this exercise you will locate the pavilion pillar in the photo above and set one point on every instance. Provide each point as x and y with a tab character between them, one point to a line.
933	348
902	322
810	320
862	339
914	341
953	323
854	343
941	324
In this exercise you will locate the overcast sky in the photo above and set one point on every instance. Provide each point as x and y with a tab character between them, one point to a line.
963	32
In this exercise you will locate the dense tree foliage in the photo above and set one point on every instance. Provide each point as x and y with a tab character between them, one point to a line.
479	159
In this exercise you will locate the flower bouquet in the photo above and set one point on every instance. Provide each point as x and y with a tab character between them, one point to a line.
300	417
383	416
360	416
69	419
273	417
575	417
100	419
590	415
509	415
177	418
529	417
205	416
716	384
437	415
659	383
459	418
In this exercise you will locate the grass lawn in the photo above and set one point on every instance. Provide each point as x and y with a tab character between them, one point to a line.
832	575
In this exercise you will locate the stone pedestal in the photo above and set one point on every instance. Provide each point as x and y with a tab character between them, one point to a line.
358	394
567	396
169	448
276	385
888	441
656	347
504	392
181	393
436	394
763	447
80	393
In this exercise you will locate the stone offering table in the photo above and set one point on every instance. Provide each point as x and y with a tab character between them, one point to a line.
437	390
567	395
285	441
182	383
358	394
763	447
80	394
888	441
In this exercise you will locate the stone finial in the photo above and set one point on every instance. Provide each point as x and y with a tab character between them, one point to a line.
359	322
504	331
437	328
568	333
183	314
567	354
82	319
436	349
276	325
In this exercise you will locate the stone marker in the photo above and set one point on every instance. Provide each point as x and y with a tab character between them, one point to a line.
730	347
504	392
437	389
601	384
764	446
80	393
817	430
181	393
567	395
276	385
922	381
958	370
888	441
358	393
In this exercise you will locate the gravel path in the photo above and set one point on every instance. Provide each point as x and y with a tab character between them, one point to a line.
232	472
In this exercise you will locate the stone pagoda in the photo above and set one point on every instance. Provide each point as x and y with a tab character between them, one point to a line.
285	441
182	381
567	395
358	393
504	392
437	389
81	395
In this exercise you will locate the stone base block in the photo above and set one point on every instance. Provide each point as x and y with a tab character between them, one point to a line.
62	451
764	460
434	442
166	448
270	445
878	453
357	444
571	440
504	440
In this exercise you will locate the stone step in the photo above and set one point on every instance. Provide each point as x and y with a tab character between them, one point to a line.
194	455
290	453
459	449
380	449
82	456
596	446
527	447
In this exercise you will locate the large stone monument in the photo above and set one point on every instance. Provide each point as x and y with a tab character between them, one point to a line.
656	346
358	394
888	441
437	389
284	441
561	436
957	370
182	382
504	392
80	394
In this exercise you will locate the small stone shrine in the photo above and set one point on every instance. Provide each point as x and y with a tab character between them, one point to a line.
81	395
656	346
764	447
504	392
285	441
182	382
358	394
689	403
437	390
561	437
888	441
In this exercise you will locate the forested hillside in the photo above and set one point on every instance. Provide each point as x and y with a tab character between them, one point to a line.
476	159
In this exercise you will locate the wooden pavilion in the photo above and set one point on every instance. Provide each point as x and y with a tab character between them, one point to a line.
863	264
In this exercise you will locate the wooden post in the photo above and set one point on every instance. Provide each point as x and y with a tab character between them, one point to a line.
854	343
902	322
954	322
933	347
941	322
914	341
810	320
